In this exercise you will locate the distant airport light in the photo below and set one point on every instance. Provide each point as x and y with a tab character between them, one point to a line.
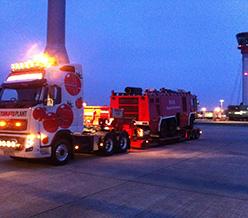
245	73
203	109
217	109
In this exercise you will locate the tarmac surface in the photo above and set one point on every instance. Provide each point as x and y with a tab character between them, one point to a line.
222	122
202	178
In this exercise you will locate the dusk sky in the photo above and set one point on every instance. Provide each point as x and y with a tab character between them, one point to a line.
185	44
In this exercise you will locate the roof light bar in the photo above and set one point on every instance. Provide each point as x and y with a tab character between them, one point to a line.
24	77
40	61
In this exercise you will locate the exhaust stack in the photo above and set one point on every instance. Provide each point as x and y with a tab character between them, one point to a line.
56	31
242	39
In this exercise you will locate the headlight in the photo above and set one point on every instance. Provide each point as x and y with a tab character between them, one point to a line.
30	140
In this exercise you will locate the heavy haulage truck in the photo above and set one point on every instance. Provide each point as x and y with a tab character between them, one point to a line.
41	114
41	108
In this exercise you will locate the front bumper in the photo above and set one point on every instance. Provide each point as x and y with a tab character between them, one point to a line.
17	145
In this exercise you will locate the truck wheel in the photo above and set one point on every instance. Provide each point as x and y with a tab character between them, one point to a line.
61	152
123	143
108	145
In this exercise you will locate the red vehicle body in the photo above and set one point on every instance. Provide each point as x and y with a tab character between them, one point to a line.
154	115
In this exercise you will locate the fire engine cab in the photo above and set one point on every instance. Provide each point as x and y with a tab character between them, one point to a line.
41	114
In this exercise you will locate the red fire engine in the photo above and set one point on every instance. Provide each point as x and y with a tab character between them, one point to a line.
153	115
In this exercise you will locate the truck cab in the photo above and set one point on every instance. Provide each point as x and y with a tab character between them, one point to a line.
40	106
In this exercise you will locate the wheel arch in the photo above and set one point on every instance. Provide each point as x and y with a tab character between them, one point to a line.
63	134
162	119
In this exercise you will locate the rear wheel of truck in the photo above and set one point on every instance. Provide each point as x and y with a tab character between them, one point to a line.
123	143
109	144
61	152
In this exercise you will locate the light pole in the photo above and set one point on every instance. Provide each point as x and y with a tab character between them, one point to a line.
221	103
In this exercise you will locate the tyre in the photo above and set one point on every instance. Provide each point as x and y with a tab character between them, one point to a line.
123	143
109	144
61	152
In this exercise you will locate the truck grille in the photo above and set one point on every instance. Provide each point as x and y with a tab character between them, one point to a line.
13	142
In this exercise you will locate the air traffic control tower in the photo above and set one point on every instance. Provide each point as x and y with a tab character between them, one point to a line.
242	39
240	112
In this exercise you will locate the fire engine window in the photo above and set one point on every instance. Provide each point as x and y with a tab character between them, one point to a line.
194	103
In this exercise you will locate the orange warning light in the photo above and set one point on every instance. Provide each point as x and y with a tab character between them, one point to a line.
38	61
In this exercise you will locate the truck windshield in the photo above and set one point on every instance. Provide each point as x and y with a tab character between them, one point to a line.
20	97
